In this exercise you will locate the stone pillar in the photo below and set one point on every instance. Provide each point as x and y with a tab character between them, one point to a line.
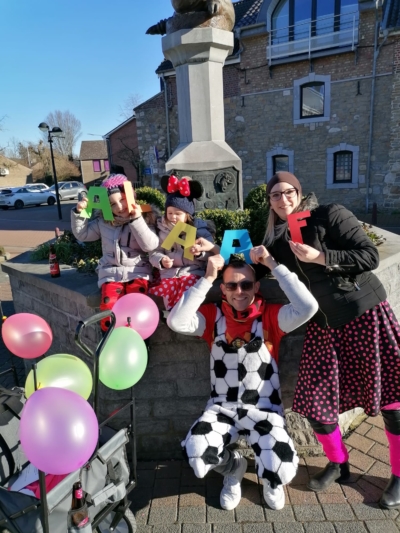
198	57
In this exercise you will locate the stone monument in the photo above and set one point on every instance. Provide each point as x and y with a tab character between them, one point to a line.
198	40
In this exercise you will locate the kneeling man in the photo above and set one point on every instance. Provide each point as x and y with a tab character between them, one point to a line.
243	333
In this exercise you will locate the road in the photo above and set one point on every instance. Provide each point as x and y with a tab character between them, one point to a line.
23	229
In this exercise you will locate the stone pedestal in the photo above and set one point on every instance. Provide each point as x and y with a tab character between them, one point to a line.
198	57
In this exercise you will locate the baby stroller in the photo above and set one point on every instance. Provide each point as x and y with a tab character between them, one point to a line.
107	478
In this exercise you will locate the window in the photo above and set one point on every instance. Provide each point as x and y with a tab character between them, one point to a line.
280	162
279	159
310	28
106	165
342	167
312	99
96	165
294	20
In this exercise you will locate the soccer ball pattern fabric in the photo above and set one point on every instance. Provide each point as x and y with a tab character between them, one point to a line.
247	375
245	400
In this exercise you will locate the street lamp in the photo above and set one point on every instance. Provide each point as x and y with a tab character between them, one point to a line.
55	132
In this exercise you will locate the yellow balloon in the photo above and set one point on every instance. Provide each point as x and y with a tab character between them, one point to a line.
63	371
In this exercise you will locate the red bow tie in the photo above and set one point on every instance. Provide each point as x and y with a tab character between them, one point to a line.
176	185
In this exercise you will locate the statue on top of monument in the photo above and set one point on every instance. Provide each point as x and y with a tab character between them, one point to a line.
191	14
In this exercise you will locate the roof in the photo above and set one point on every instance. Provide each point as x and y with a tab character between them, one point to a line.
391	14
133	117
246	13
11	163
93	150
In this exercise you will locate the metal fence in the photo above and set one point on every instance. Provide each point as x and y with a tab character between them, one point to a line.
307	37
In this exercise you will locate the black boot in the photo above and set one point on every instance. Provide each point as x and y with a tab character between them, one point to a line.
339	472
391	495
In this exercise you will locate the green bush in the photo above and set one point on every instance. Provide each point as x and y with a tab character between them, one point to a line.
224	219
258	224
148	195
256	198
84	256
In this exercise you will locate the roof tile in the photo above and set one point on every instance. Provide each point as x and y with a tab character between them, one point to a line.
93	150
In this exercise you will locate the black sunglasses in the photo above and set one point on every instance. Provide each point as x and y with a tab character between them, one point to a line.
244	285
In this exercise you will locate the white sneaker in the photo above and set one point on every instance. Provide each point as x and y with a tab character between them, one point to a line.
232	492
275	498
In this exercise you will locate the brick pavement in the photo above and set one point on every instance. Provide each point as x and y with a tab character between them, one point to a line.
170	499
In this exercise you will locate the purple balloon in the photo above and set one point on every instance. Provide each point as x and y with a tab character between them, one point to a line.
27	335
58	430
142	311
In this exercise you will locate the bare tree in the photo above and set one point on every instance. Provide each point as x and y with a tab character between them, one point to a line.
12	150
71	128
65	169
130	154
126	110
2	148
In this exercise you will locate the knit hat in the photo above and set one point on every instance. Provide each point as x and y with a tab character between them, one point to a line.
284	177
181	193
114	183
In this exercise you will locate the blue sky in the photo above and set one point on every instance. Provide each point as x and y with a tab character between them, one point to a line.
84	56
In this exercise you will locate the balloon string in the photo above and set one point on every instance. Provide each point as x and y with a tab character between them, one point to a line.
129	322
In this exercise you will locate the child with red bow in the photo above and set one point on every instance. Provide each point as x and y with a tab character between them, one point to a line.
177	273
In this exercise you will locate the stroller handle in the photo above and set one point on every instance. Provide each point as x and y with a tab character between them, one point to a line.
89	322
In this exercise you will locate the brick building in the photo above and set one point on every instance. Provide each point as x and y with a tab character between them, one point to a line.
312	86
122	145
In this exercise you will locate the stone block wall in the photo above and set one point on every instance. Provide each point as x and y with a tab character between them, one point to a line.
259	117
175	386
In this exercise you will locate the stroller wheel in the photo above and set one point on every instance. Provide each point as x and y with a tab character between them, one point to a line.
126	525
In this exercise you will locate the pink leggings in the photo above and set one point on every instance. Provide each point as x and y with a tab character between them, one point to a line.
336	452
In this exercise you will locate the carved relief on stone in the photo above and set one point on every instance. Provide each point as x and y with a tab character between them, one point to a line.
191	14
221	187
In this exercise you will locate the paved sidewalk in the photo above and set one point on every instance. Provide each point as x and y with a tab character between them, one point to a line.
170	499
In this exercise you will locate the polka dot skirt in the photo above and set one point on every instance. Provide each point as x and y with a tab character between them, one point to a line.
172	289
357	365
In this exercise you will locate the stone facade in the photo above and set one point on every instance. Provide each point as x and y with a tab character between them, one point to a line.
176	384
260	118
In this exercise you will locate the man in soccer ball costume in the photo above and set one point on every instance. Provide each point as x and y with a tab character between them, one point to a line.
243	334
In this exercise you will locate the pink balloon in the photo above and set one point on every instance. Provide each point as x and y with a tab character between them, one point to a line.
27	335
58	430
142	311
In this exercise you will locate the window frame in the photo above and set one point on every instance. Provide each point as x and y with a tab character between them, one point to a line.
304	86
330	167
106	164
335	155
312	78
277	151
99	163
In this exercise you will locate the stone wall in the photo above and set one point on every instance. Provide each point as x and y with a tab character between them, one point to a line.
259	117
175	387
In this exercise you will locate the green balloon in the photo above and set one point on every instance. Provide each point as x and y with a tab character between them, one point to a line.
123	359
63	371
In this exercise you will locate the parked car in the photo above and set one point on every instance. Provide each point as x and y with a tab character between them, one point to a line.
69	190
37	186
19	197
